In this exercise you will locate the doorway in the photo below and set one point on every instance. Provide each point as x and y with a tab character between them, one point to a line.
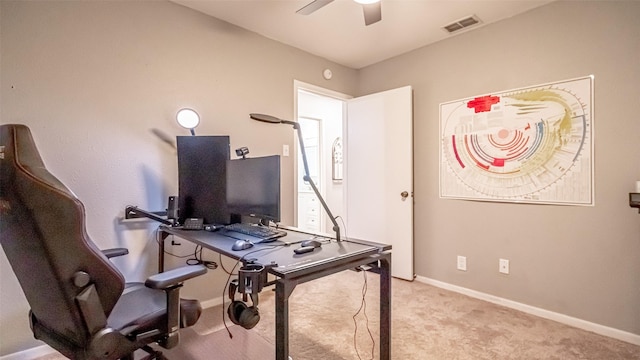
320	113
375	196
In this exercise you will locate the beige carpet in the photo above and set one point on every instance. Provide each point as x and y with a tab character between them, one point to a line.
427	323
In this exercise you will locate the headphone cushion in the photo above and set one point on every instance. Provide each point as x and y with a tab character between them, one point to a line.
240	314
235	310
249	317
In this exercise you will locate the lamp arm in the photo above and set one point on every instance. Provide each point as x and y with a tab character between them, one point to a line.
131	212
302	149
307	177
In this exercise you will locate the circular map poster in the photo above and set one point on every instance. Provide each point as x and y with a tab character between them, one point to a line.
532	144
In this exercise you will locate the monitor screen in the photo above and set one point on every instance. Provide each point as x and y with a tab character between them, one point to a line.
202	178
253	187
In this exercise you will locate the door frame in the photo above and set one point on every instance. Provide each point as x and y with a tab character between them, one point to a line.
320	91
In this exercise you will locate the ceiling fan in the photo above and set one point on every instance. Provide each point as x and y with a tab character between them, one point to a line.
372	9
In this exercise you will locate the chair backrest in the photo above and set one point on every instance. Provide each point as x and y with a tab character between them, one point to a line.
42	231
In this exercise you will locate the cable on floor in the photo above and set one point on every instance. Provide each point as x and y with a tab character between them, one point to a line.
363	309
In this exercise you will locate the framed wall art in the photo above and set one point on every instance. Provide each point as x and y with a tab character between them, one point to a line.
532	145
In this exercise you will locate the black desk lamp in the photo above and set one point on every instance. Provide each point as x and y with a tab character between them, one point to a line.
307	176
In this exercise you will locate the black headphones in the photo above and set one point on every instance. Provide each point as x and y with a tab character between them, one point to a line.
239	313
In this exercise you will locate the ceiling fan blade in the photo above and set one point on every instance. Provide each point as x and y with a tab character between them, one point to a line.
372	13
313	6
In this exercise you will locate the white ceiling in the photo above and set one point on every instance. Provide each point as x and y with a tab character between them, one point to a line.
337	31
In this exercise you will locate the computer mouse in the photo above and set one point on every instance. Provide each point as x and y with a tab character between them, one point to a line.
311	243
241	245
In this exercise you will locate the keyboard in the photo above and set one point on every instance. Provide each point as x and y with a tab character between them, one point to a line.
264	233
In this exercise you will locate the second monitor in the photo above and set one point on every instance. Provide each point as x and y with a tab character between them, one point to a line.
253	187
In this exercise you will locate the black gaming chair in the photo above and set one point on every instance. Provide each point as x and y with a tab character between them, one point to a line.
80	303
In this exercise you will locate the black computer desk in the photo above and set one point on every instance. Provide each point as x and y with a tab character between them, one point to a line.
291	269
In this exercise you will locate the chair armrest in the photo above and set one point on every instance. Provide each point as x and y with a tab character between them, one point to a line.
174	277
171	282
109	253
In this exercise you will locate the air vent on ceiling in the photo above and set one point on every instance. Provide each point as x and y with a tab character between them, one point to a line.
462	24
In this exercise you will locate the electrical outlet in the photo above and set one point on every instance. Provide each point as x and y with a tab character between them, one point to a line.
504	266
462	263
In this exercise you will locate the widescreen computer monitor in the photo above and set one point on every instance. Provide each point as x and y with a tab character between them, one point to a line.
202	189
253	187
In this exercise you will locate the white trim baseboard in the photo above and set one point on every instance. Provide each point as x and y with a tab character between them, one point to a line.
29	354
210	303
546	314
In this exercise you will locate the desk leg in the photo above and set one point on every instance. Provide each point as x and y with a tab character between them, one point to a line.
284	288
161	237
385	307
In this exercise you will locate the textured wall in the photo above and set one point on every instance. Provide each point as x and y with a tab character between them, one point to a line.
93	78
578	261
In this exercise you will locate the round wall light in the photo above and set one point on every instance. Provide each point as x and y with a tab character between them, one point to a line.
188	119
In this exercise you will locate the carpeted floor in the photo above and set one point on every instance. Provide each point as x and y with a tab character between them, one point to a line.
427	323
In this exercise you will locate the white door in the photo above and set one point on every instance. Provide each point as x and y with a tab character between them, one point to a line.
379	173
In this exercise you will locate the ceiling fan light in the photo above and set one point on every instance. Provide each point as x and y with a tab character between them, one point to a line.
365	2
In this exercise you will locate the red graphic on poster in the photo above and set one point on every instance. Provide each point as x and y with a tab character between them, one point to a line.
483	104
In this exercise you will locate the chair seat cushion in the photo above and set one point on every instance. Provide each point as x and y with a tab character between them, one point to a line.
141	309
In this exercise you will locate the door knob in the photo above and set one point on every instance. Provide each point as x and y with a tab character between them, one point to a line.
404	194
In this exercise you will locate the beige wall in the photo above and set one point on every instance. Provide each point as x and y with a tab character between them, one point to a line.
580	261
93	78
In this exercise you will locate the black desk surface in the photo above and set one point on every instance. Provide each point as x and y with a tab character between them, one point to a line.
281	253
